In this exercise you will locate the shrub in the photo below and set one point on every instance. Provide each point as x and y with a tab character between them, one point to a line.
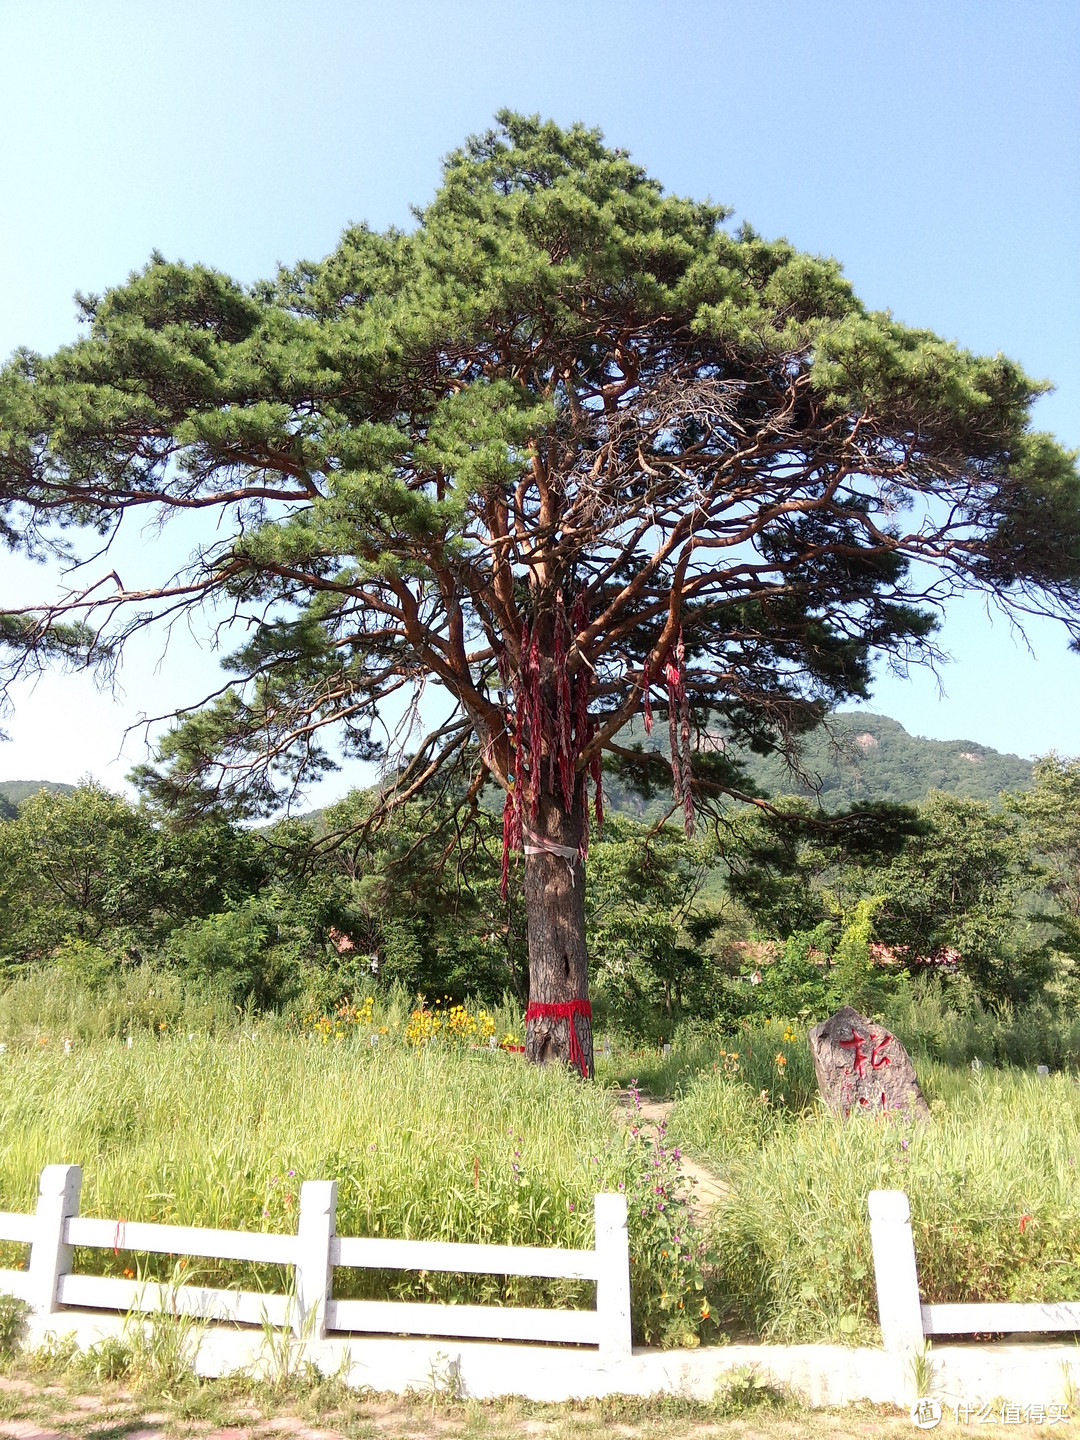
13	1317
85	965
243	953
819	970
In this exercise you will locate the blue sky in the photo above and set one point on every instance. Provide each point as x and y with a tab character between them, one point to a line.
933	148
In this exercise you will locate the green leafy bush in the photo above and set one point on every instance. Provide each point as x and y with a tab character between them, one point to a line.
13	1317
86	965
817	971
253	953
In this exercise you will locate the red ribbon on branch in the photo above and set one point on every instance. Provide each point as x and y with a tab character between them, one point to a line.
563	1010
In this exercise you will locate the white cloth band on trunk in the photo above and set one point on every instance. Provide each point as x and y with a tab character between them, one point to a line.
541	845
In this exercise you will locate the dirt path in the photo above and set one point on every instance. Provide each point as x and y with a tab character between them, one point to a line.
651	1116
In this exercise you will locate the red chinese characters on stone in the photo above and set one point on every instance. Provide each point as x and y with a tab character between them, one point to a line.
857	1043
877	1058
863	1068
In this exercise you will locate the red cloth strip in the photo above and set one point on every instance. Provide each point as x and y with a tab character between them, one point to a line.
563	1010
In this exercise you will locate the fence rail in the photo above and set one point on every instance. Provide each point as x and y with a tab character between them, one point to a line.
314	1252
17	1227
477	1322
989	1319
376	1253
906	1322
180	1240
108	1292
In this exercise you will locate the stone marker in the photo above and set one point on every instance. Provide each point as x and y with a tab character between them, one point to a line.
862	1068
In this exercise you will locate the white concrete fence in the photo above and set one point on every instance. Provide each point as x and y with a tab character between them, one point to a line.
906	1323
400	1345
50	1287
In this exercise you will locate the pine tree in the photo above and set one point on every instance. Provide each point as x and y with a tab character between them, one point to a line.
573	450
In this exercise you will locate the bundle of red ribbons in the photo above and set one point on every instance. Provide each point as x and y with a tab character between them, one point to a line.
563	1010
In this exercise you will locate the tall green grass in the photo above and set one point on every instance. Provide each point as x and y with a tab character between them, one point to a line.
46	1002
992	1179
223	1130
52	1003
438	1142
936	1028
751	1050
213	1117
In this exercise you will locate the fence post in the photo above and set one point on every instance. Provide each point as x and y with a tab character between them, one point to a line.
899	1305
314	1273
613	1275
50	1256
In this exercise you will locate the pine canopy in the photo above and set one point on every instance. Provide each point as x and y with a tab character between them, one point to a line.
569	448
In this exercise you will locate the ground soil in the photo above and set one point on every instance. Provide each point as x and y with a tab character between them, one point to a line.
34	1408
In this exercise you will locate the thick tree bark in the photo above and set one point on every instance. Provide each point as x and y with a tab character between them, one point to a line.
555	908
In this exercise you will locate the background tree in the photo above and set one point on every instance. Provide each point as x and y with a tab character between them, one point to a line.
423	897
570	450
956	898
88	866
817	971
648	926
957	895
1049	818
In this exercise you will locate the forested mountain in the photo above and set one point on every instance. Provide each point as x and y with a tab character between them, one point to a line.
14	792
856	757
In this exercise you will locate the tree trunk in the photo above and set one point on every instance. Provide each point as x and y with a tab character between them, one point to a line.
555	909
